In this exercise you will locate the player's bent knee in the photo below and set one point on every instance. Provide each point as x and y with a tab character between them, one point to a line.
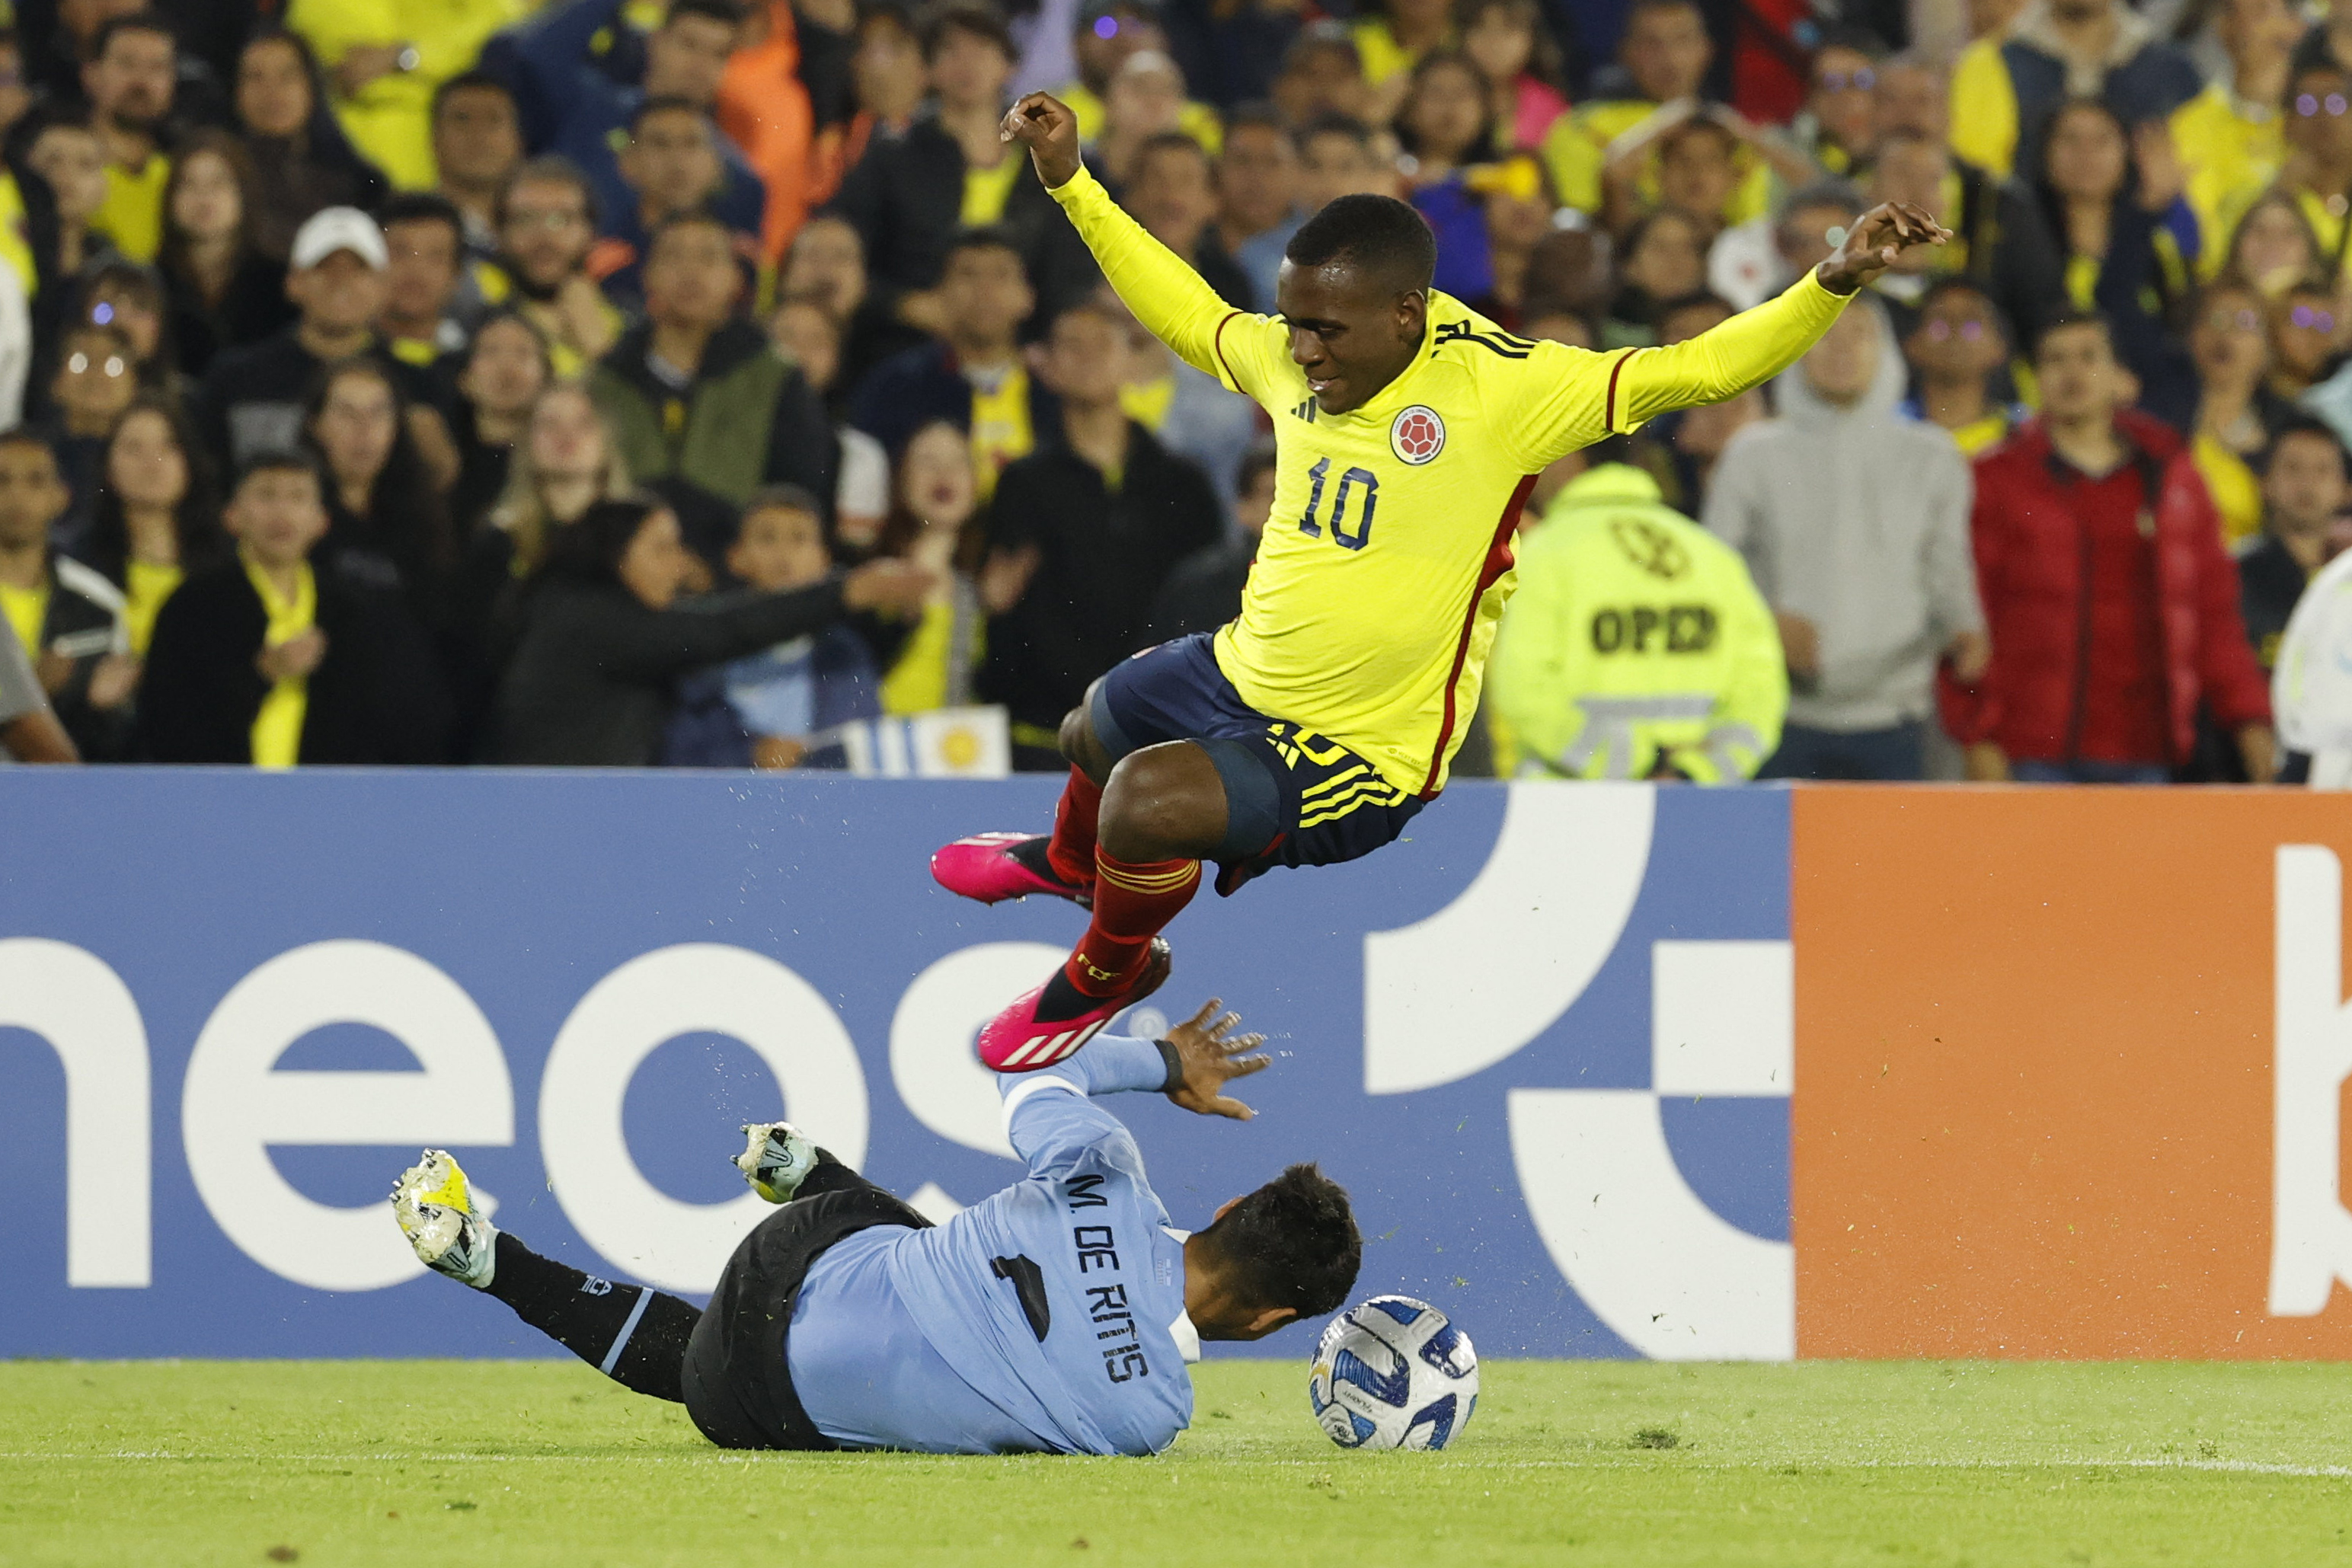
1164	802
1079	747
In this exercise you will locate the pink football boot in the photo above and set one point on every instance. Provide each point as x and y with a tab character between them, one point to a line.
993	867
1052	1021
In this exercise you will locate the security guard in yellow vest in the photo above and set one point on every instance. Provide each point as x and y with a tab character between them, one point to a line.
1637	648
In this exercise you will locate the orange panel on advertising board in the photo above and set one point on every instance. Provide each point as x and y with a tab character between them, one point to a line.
2050	1046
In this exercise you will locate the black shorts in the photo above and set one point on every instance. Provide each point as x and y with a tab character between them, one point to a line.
1291	797
738	1386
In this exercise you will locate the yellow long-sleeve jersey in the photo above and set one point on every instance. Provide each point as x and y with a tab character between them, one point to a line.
1387	559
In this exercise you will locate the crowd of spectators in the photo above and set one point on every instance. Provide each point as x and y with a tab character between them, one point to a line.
623	382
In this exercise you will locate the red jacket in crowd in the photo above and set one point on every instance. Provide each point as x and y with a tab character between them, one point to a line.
2114	615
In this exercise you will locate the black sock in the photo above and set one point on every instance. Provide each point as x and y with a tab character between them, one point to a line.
634	1334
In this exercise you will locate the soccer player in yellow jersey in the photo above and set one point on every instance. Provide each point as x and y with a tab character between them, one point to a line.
1407	430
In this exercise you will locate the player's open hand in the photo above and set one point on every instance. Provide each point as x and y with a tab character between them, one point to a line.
1043	124
1209	1055
1876	240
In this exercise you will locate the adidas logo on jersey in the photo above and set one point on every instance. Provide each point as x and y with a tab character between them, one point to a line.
1305	410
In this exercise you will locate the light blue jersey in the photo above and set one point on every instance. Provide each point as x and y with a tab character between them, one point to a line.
1050	1317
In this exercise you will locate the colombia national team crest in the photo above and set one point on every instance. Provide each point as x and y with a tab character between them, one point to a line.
1417	435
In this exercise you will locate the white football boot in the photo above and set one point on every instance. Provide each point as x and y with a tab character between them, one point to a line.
777	1157
437	1213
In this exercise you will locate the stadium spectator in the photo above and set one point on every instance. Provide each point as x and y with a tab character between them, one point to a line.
1204	591
547	224
506	371
572	105
1663	258
155	519
2006	246
263	659
696	393
1392	37
252	398
827	263
384	62
68	158
94	382
2272	246
1520	63
1232	53
2305	340
2127	240
1173	194
974	376
1855	523
671	166
2234	411
122	293
476	148
2304	486
386	526
2228	138
2309	688
1442	124
1322	77
1258	197
602	639
1108	513
2005	87
1750	262
66	618
1665	54
220	290
2113	607
771	709
29	730
2318	168
887	73
932	655
129	77
1955	347
1337	157
1515	212
805	332
1101	54
1193	413
302	163
1838	127
1636	646
1146	101
765	108
425	246
910	196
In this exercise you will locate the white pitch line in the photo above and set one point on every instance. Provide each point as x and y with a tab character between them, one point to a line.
2217	1466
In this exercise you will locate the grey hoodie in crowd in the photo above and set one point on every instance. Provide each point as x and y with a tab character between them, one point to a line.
1857	519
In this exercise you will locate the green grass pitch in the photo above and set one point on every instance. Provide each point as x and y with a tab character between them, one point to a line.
430	1464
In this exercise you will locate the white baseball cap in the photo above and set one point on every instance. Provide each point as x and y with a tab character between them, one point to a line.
332	229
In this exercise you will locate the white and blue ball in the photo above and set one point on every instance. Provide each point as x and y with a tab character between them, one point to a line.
1393	1372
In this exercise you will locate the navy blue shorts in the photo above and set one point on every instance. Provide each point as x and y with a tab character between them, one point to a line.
1292	798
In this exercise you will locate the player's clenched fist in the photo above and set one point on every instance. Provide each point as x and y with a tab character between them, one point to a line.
1043	124
1876	238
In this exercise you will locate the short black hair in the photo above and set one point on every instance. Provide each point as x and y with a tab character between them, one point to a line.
668	103
278	460
1378	235
1704	299
729	12
1172	141
1953	283
26	435
1334	124
1292	1243
120	274
467	81
589	547
2301	424
2067	321
422	207
1258	115
695	218
114	27
981	236
1846	35
971	19
780	498
2311	66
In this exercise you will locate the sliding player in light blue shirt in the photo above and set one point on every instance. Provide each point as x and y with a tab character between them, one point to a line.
1056	1316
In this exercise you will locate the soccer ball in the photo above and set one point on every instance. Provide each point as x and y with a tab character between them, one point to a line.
1393	1372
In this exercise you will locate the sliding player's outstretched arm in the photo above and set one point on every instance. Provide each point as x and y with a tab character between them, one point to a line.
1166	295
1050	1117
1757	345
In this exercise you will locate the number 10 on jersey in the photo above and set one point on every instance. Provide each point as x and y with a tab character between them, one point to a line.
1312	525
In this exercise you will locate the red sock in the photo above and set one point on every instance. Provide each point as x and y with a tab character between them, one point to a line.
1071	851
1133	902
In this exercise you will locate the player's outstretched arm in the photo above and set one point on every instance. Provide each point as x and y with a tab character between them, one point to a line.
1166	295
1757	345
1208	1056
